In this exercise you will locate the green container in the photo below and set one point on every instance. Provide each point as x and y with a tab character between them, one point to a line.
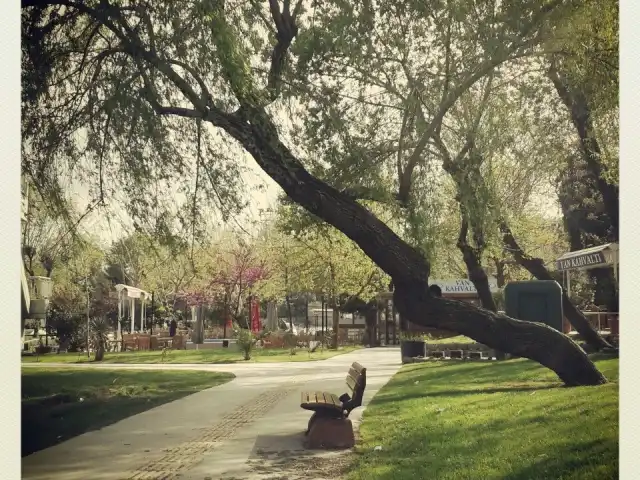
535	301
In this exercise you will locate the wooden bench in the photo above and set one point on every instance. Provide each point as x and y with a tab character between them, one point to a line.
329	426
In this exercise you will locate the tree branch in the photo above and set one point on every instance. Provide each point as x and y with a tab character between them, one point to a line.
286	31
453	95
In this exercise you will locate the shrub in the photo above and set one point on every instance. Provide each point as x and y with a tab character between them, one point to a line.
43	349
98	336
276	339
69	329
290	341
412	337
245	340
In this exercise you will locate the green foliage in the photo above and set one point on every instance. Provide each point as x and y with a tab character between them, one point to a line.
81	276
317	259
98	334
364	90
69	329
412	336
87	118
48	236
245	340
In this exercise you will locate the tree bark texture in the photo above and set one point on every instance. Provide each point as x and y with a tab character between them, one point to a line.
536	267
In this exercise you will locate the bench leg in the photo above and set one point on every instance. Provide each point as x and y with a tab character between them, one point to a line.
329	433
311	421
320	414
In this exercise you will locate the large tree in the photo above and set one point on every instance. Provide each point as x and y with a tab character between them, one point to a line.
136	79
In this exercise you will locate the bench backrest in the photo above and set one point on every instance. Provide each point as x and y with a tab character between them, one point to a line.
357	382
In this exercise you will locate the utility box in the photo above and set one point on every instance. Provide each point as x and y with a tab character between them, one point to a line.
535	301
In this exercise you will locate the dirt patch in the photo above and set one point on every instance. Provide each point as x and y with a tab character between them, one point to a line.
300	464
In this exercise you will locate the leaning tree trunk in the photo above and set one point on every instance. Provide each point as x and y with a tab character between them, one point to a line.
536	267
536	341
403	263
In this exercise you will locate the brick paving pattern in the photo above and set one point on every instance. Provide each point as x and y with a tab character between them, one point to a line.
176	460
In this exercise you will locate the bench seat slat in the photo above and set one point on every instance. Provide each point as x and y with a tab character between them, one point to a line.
320	400
327	402
351	383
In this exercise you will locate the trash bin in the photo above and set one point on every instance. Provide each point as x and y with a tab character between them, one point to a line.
225	343
412	348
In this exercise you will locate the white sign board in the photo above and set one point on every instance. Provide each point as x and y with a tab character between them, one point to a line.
462	286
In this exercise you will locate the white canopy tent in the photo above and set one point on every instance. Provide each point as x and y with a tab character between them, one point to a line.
131	293
606	255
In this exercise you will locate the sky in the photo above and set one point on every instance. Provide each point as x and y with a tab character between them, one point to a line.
119	225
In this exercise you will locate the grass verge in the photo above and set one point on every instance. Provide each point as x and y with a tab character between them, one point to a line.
456	339
58	404
211	355
510	420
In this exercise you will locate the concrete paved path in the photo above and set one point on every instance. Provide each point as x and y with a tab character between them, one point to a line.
250	428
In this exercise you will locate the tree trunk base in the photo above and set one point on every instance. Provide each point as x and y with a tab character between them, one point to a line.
535	341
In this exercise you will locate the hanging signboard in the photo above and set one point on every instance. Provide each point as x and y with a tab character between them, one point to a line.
581	261
461	286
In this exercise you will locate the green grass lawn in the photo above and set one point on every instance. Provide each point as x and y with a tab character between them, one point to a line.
52	409
215	355
510	420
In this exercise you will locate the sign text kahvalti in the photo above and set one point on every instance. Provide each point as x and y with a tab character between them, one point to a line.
580	261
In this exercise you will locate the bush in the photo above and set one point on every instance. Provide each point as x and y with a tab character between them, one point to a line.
275	339
69	329
245	340
98	336
290	341
43	349
412	337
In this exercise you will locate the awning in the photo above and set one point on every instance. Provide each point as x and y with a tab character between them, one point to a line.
594	257
133	292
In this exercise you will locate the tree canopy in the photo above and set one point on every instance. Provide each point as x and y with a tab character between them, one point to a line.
343	106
